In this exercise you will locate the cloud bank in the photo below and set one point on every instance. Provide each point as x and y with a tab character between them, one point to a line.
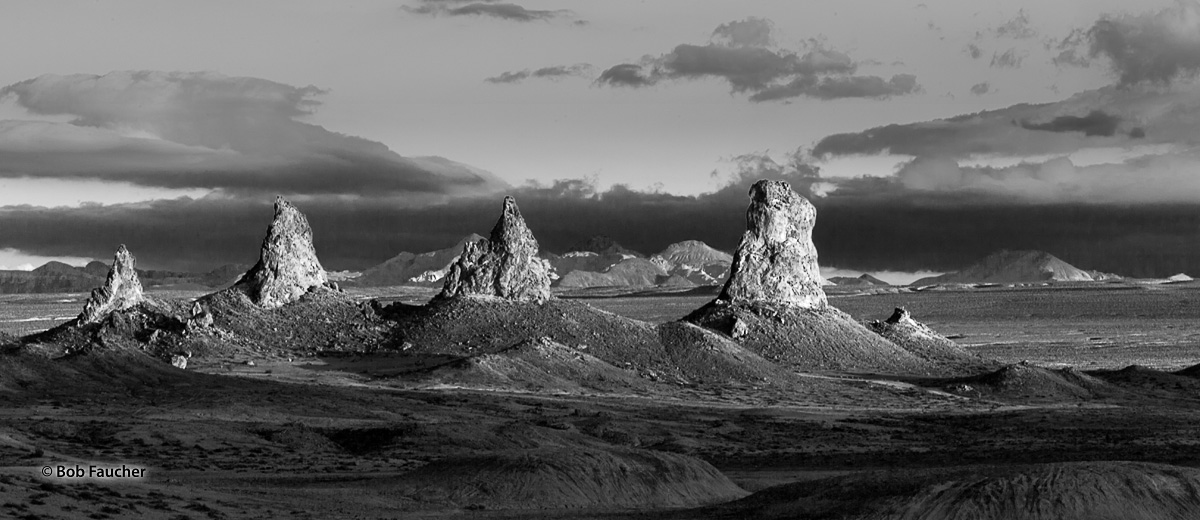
742	53
204	130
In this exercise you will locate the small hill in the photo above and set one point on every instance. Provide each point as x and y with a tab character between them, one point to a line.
412	268
1064	491
630	272
1013	267
603	245
569	477
1026	383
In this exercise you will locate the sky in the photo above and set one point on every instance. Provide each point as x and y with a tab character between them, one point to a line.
928	134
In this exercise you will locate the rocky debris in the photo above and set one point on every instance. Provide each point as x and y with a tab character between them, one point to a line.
200	317
504	265
776	261
287	267
180	361
121	290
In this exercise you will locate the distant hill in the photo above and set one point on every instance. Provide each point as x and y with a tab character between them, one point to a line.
1013	267
863	280
602	244
695	261
56	277
413	268
630	272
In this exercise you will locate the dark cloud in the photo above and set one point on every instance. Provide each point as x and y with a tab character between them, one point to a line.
751	32
1106	117
1009	59
741	56
1018	28
626	75
205	130
980	89
554	72
1071	50
868	223
505	11
1095	123
1157	47
974	51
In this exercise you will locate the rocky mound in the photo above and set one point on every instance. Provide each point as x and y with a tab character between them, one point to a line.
504	265
287	267
631	272
121	289
1027	383
1013	267
474	326
408	268
911	335
1066	491
773	303
574	478
536	365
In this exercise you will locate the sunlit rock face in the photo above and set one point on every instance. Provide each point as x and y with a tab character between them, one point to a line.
288	266
776	261
121	290
504	265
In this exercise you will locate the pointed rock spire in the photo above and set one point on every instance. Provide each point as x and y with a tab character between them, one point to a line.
288	266
776	261
505	264
121	290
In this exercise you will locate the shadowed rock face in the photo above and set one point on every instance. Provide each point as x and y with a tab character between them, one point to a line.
776	261
505	264
122	290
288	266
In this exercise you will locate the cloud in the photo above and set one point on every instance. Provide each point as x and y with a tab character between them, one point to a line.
974	51
553	72
1155	47
980	89
1009	59
1017	28
751	32
206	130
493	9
1140	115
1095	123
740	55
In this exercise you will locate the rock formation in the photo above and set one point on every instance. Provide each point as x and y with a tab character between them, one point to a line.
776	261
505	264
121	290
773	304
288	266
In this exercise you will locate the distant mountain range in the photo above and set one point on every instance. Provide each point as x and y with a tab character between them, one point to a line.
598	261
1017	267
865	280
56	277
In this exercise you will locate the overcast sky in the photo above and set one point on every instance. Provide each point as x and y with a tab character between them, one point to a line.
395	121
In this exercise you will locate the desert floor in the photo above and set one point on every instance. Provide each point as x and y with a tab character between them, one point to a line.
339	437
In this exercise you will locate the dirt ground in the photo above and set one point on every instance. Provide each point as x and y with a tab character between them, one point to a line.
344	437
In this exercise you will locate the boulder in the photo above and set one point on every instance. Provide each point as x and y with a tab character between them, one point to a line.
288	267
776	261
505	265
121	290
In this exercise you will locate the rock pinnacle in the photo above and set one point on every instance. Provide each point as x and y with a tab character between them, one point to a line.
288	266
504	265
121	290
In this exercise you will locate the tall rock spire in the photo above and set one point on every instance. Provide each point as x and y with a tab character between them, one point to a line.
288	266
776	261
121	290
505	264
